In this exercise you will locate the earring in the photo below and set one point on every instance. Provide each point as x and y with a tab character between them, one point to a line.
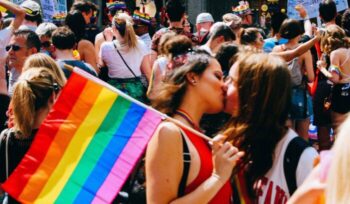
193	81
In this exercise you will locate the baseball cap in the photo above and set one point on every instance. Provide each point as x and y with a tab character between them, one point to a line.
204	17
45	28
31	7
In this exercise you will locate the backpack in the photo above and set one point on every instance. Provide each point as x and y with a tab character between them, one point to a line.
291	159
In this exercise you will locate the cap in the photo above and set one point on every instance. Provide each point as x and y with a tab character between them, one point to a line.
232	20
204	17
31	7
140	18
45	28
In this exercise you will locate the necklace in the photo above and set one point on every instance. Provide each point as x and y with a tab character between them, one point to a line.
188	118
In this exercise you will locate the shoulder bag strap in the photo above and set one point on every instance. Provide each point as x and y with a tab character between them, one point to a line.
291	160
187	162
124	60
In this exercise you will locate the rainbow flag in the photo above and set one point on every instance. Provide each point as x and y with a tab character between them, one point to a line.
87	146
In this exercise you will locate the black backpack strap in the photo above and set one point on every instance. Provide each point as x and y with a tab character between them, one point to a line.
291	159
187	162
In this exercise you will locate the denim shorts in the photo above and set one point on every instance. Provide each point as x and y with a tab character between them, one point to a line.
301	107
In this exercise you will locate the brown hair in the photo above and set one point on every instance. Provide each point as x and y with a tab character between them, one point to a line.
177	45
163	40
32	92
249	36
43	60
334	38
264	89
175	85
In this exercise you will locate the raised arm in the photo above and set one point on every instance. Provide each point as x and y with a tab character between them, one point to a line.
291	54
15	9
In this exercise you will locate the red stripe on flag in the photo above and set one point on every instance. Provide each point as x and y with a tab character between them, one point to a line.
45	136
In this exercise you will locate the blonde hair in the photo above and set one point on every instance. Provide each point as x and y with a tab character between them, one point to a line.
43	60
129	36
334	38
338	185
31	93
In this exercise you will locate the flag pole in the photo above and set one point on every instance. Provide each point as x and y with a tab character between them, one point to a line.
164	116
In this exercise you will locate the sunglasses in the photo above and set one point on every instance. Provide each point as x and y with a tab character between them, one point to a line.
46	44
14	47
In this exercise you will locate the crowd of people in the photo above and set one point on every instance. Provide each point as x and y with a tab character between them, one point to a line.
252	92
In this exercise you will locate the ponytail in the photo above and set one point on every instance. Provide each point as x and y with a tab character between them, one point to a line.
32	92
23	102
124	24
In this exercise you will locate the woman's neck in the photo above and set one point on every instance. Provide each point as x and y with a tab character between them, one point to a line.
40	117
189	115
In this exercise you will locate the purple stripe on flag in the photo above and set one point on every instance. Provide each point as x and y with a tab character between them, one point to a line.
128	158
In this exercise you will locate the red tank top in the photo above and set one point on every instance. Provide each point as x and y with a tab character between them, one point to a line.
206	169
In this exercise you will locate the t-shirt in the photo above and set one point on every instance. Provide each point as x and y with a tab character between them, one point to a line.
76	63
13	77
133	57
274	184
270	43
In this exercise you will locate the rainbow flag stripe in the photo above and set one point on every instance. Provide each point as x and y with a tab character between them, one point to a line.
86	148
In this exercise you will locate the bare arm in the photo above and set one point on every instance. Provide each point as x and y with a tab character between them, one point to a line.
291	54
87	53
146	66
15	9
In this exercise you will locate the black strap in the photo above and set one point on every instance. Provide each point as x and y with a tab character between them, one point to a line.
124	60
187	162
291	159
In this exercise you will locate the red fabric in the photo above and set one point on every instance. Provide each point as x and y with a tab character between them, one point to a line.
313	86
206	169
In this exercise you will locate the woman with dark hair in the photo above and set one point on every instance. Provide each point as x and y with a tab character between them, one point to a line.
258	98
302	71
252	37
77	23
189	91
336	45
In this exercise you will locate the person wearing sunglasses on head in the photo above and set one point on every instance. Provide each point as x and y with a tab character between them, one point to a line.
22	44
44	31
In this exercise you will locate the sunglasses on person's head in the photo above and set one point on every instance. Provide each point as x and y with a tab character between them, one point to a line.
46	44
14	47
